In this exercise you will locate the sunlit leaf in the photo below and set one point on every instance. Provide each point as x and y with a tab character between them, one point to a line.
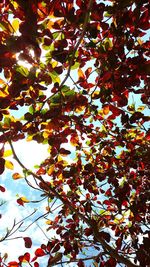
39	252
17	176
81	74
141	108
15	24
106	109
51	169
7	153
24	199
13	264
9	165
22	70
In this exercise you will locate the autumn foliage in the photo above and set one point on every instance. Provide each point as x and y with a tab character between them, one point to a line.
75	77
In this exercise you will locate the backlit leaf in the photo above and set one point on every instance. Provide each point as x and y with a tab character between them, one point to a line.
17	176
9	165
24	199
81	74
51	169
15	24
7	153
106	110
39	252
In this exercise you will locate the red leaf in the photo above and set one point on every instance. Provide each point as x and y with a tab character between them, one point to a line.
81	263
107	202
88	231
2	165
27	257
28	242
106	76
2	188
20	202
39	252
13	264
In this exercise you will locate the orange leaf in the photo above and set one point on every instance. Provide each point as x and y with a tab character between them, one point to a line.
74	139
81	74
17	176
106	109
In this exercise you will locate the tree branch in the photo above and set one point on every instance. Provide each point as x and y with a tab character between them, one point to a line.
111	251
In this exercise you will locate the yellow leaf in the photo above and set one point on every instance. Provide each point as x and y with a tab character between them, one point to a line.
7	153
141	108
140	41
9	165
15	25
17	176
24	199
59	158
49	222
3	94
54	64
51	169
79	109
50	24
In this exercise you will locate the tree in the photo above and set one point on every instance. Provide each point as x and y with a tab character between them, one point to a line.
80	70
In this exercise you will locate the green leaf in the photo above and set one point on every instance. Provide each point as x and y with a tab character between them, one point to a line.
31	110
22	70
55	77
55	35
56	98
75	66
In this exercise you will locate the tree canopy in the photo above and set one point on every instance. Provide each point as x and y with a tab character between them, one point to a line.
74	78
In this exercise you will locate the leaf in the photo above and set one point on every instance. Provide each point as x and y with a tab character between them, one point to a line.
36	264
75	66
28	242
24	199
64	152
51	169
22	70
55	259
2	189
55	77
9	165
7	153
141	108
81	74
106	109
2	165
13	264
39	252
25	258
15	24
74	139
17	176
